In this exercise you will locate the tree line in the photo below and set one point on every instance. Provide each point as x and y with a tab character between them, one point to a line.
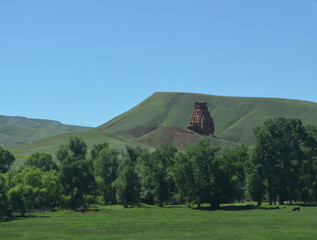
282	166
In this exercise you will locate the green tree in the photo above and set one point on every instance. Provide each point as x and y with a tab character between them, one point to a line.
132	153
52	190
33	188
234	161
76	176
97	149
62	152
280	149
155	173
43	161
255	187
183	176
6	160
76	172
4	205
106	166
75	147
308	168
18	197
127	185
209	181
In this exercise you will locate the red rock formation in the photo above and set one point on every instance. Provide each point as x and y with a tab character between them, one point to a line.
201	121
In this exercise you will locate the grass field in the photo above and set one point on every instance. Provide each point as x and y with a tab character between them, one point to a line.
171	222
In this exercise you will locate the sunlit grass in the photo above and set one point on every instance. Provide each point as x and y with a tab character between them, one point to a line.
169	222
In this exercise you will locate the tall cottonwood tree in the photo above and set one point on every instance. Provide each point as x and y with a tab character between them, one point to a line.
106	165
281	150
76	172
6	160
43	161
207	180
155	173
4	205
127	185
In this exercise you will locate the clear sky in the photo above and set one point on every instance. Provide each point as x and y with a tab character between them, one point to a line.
85	62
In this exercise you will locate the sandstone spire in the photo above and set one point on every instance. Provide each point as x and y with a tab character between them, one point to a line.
201	121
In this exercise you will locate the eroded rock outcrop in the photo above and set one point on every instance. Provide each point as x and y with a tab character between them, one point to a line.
201	121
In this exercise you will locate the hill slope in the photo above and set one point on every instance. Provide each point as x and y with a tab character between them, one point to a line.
234	117
51	144
19	130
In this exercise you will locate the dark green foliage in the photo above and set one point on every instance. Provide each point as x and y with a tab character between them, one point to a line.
285	159
76	176
255	187
62	152
76	172
155	174
77	147
183	176
201	177
41	160
6	160
106	165
235	161
4	205
132	153
97	148
127	186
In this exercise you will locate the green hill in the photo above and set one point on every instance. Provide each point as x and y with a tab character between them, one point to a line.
51	144
234	117
19	130
163	117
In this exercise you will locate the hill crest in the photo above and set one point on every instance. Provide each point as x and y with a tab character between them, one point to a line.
19	130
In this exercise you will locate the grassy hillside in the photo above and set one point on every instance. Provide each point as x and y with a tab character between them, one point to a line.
51	144
19	130
234	117
163	118
178	136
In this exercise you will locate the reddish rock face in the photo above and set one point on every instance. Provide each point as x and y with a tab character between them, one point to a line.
201	121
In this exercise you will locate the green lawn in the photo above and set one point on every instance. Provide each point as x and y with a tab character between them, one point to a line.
177	222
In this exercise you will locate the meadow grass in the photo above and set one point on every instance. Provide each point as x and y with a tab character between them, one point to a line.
169	222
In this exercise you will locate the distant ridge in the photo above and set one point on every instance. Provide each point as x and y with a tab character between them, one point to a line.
20	130
234	117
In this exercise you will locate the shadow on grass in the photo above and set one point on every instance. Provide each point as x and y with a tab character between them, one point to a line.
14	218
237	208
228	208
305	204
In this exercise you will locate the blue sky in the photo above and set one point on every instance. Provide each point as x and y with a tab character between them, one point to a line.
85	62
